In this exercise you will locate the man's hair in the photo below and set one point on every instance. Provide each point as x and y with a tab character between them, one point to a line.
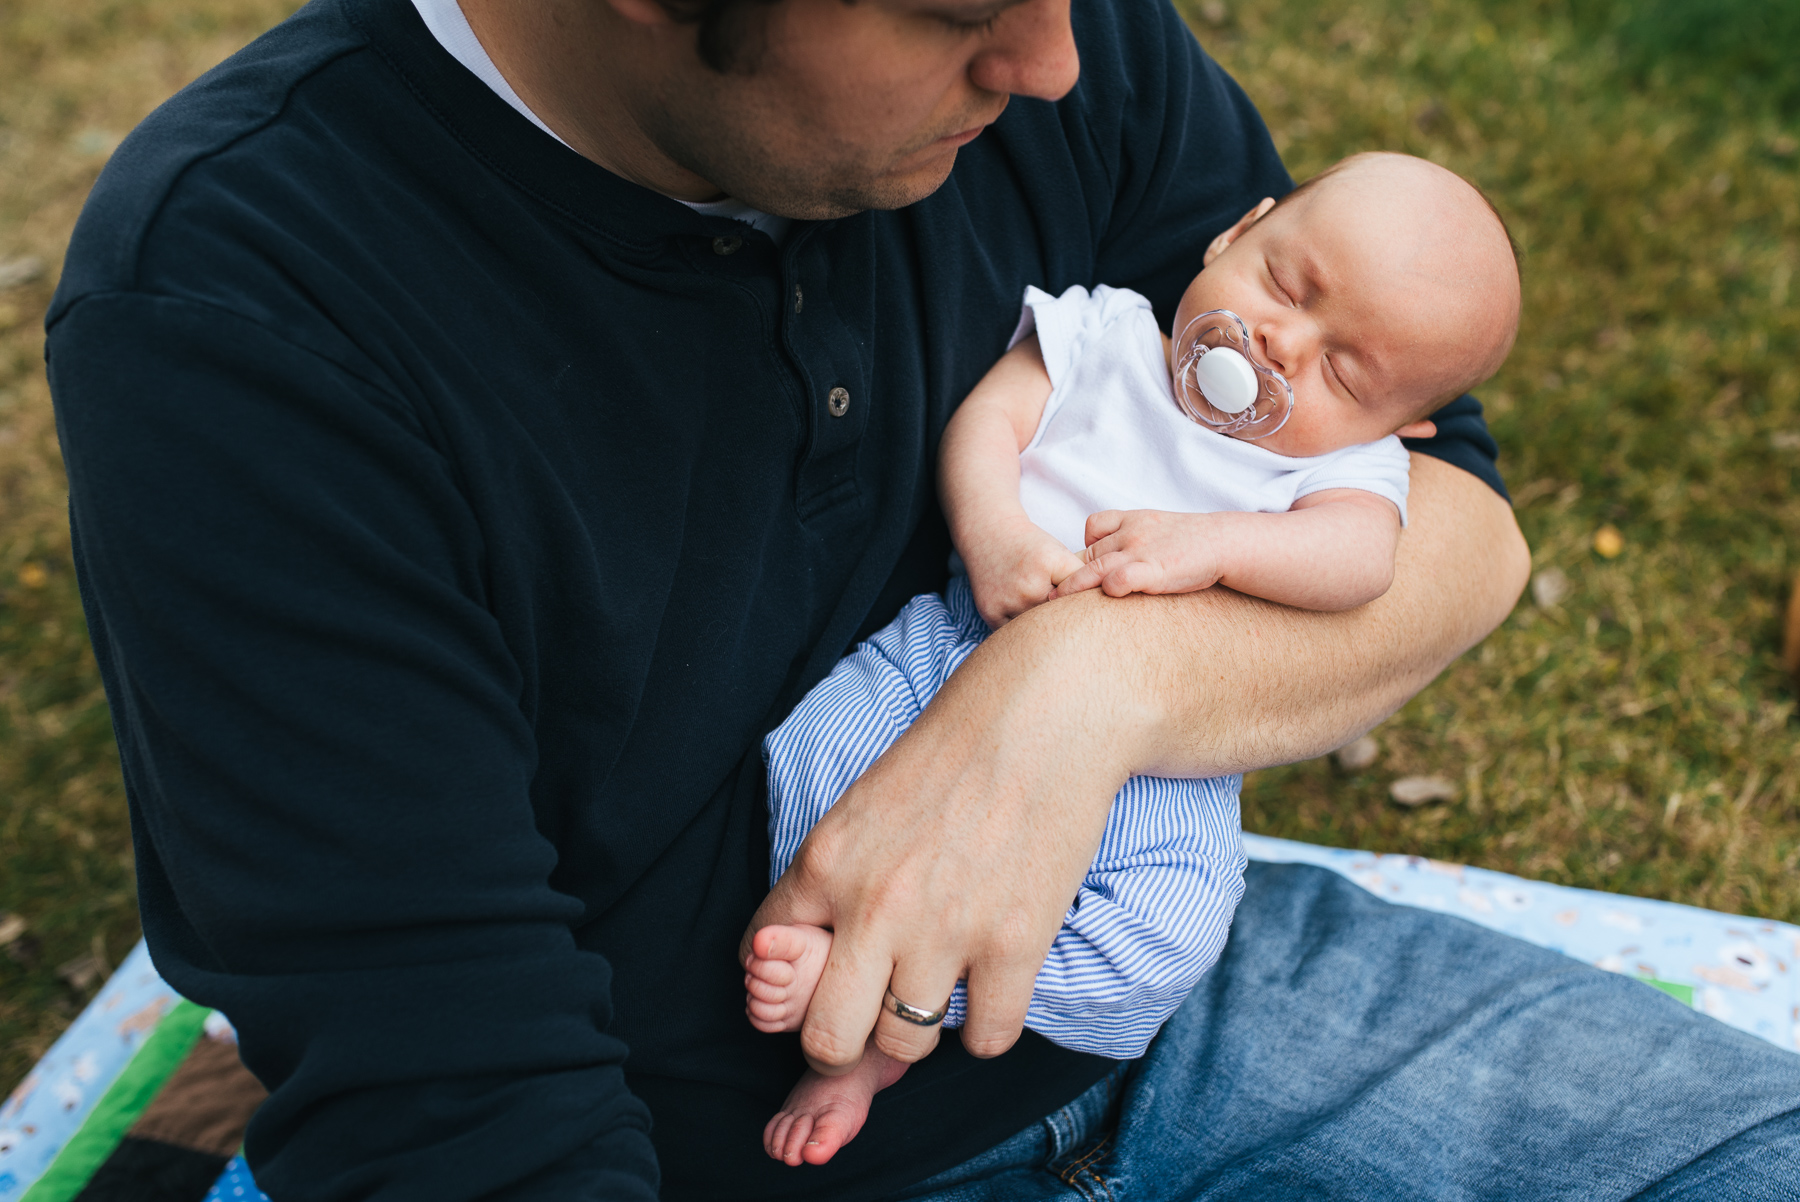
729	32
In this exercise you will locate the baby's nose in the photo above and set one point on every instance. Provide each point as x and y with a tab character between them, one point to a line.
1285	344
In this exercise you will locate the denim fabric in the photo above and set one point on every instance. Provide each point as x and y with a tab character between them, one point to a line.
1346	1048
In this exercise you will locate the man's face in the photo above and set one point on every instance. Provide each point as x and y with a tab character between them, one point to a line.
838	107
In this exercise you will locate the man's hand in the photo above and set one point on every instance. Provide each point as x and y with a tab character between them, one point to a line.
1148	551
957	853
1013	567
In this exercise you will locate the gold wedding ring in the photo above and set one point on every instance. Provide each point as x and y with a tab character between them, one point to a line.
913	1014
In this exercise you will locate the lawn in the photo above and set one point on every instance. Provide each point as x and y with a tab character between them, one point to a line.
1629	727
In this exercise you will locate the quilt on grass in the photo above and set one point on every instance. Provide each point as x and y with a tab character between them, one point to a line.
144	1099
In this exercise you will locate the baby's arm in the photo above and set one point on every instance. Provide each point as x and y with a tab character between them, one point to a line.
1013	563
1333	550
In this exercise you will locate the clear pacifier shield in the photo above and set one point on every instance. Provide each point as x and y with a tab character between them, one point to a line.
1219	383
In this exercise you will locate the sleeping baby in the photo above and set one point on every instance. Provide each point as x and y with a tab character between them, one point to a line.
1257	449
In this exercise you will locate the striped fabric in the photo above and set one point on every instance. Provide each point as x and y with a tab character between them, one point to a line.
1152	915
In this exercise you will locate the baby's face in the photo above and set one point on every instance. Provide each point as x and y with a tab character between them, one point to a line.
1372	293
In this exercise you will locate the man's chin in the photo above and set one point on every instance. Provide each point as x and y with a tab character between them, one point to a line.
895	190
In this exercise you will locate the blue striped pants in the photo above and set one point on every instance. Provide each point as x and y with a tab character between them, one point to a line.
1153	912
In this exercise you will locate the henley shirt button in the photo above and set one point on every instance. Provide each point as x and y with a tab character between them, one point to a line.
838	401
727	244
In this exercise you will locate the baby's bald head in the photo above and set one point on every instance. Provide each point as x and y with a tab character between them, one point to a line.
1378	290
1442	245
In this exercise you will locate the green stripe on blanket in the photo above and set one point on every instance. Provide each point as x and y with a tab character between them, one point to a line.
128	1097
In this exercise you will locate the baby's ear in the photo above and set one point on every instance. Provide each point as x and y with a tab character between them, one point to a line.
1237	231
1418	430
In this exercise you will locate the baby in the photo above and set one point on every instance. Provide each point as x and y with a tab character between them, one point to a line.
1257	449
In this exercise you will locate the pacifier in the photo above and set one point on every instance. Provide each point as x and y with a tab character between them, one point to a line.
1219	382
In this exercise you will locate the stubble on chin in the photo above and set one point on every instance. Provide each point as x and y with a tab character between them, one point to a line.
806	182
815	190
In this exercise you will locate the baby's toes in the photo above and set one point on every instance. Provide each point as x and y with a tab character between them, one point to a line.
775	1134
771	1017
832	1128
769	979
779	943
795	1149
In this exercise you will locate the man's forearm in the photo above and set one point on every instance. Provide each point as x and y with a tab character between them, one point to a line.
1241	683
954	856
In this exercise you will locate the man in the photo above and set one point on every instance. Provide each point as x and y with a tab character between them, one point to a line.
456	509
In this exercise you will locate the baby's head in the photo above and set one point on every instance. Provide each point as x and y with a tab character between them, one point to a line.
1380	288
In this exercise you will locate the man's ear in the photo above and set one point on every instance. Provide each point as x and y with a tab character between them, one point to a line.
1231	235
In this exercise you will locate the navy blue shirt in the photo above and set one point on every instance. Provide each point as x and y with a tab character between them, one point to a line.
453	519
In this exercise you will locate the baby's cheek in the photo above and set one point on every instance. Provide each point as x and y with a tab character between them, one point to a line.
1320	425
1298	436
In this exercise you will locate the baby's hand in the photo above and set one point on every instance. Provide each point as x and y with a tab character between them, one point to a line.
1148	551
1014	567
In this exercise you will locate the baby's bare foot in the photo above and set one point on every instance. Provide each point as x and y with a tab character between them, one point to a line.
783	970
822	1114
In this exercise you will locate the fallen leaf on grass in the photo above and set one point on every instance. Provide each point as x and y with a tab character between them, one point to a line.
82	972
22	270
1790	635
1418	790
1354	757
1608	542
1549	587
24	950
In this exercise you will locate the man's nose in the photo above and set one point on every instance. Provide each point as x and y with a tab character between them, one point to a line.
1032	53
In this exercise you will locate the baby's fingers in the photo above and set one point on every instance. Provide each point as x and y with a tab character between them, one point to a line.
1084	577
1101	524
1122	575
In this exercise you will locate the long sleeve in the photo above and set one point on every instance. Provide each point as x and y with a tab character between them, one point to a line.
454	521
330	768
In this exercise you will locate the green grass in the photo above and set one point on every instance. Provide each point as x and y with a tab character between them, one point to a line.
1655	387
1646	154
75	75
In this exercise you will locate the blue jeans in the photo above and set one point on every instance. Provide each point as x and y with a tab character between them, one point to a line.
1344	1047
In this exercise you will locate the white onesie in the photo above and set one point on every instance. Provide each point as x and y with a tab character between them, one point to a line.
1113	437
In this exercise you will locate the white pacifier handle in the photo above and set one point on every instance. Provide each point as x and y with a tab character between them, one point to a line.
1227	380
1219	382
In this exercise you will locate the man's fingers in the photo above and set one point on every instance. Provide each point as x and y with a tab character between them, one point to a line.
793	901
844	1008
999	996
923	987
